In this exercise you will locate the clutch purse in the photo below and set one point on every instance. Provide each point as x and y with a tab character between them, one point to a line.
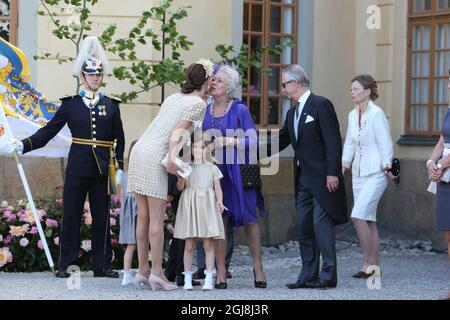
395	170
185	168
251	176
250	173
432	188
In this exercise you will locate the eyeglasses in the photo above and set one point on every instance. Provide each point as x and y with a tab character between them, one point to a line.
219	81
286	83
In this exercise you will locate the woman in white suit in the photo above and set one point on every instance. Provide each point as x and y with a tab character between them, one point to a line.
368	150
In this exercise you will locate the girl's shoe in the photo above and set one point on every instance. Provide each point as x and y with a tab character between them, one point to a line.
158	283
209	281
127	278
141	282
188	280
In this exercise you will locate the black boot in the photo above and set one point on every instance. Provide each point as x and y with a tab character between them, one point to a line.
62	273
106	273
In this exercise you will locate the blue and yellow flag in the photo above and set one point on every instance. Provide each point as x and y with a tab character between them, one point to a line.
17	96
26	109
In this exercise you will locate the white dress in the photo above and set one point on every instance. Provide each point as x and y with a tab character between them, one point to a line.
146	175
197	215
368	149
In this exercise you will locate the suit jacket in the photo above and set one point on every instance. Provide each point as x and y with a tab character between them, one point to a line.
318	151
371	148
84	160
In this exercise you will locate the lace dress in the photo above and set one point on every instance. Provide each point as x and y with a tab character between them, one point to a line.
146	175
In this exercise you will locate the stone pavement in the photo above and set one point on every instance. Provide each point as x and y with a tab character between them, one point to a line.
410	270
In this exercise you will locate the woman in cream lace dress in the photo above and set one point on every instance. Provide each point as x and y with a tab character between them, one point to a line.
148	178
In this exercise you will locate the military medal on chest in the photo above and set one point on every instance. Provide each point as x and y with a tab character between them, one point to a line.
101	110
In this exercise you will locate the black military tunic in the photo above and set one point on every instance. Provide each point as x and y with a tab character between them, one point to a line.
86	172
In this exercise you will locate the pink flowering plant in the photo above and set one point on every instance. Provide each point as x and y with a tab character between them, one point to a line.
21	249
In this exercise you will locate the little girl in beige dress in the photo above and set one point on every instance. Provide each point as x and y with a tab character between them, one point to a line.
199	214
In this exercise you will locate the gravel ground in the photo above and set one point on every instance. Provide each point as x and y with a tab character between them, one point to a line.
411	270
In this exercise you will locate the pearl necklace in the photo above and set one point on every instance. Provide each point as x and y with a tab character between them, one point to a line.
218	124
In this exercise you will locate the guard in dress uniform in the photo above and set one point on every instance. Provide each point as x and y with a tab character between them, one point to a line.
94	163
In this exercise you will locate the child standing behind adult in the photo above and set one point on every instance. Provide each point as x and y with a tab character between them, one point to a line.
127	235
199	213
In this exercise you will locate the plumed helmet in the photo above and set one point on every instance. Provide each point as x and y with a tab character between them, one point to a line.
91	59
92	66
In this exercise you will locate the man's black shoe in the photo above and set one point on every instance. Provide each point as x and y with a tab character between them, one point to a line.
106	273
297	285
229	275
180	281
199	274
61	273
321	284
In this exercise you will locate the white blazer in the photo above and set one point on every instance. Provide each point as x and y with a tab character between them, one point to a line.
370	147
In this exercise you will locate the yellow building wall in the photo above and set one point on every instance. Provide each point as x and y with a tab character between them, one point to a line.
334	53
55	80
345	47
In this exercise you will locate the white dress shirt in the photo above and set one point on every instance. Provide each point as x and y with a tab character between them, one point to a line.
370	146
301	105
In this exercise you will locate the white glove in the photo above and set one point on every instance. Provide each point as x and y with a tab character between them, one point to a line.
119	175
16	145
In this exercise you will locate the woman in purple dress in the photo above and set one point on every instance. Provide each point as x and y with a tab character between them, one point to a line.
438	163
228	114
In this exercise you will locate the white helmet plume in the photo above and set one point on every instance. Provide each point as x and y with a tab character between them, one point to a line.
91	49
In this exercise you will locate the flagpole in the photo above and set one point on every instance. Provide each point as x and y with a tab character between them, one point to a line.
33	209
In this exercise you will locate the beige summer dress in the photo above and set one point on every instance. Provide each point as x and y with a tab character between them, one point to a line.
146	175
197	215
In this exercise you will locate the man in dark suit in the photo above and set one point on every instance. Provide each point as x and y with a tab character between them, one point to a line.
96	152
312	128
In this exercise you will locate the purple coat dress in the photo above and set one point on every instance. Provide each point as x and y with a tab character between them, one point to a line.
240	202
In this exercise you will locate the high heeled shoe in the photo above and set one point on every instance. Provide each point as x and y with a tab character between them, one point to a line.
141	282
158	283
221	285
259	284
